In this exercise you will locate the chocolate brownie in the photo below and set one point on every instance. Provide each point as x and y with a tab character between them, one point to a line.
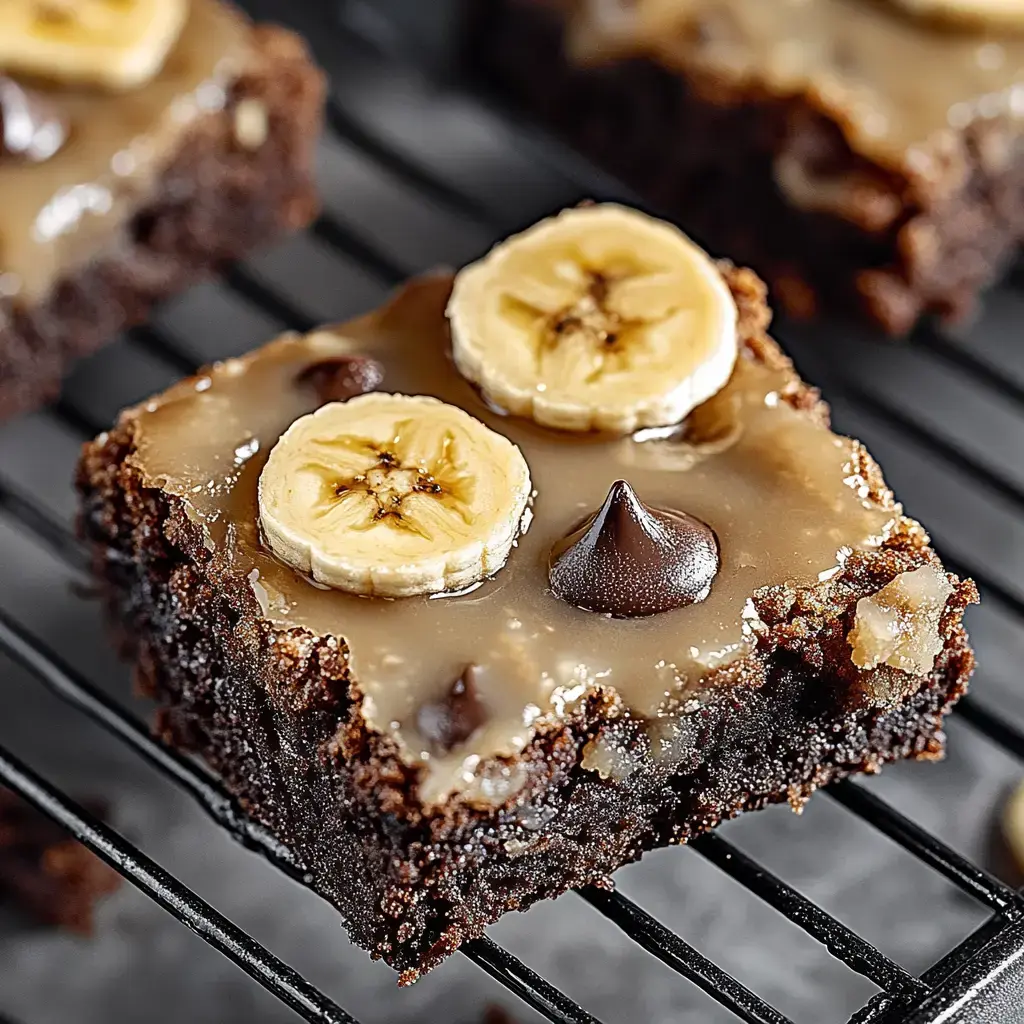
111	200
750	617
860	159
46	873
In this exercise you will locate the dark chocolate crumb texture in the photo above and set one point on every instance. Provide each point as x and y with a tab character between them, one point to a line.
482	595
861	154
142	145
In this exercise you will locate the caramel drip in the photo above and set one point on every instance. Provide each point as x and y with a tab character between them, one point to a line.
57	214
774	485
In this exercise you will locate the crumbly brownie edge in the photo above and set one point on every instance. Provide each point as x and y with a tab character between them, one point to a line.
901	249
213	203
277	715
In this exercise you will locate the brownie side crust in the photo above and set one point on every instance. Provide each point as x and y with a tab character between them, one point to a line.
278	716
214	202
894	249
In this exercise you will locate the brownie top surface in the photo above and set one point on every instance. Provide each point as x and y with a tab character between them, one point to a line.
754	463
57	210
896	85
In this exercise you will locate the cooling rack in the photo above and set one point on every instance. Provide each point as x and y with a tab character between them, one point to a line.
469	173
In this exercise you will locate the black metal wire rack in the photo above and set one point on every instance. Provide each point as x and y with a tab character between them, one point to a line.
450	209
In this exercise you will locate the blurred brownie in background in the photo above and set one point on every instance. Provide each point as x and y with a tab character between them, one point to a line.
142	144
46	873
863	155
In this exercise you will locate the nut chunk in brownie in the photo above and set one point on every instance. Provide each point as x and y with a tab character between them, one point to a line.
860	154
583	574
142	144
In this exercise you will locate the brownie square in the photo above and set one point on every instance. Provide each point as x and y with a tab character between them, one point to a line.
860	160
152	189
269	677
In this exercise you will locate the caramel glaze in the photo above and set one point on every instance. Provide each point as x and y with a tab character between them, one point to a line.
899	88
775	486
56	214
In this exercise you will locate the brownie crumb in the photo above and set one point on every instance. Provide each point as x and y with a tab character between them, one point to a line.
46	873
498	1015
447	723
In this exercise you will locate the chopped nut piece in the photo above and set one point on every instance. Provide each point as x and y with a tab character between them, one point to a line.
899	626
252	126
610	757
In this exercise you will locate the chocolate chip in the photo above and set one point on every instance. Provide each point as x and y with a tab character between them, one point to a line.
447	723
31	128
337	380
629	560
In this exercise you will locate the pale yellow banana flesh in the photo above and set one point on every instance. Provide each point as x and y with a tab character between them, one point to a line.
598	319
114	45
393	496
976	13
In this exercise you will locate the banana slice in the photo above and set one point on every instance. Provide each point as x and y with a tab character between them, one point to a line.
993	13
393	495
600	318
116	45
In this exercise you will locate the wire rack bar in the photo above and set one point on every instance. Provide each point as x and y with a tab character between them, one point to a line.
246	285
997	729
177	899
967	876
678	954
953	1001
422	181
49	530
77	419
841	941
965	361
329	231
499	963
156	342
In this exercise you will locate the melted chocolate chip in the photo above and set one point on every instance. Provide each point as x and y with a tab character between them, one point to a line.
337	380
30	126
629	560
447	723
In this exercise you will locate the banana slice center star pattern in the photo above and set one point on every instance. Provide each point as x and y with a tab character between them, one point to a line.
588	335
393	495
365	484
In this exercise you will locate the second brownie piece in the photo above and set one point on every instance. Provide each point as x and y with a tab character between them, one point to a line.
142	145
859	157
472	609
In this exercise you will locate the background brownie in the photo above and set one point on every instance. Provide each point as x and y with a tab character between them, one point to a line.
783	176
238	176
